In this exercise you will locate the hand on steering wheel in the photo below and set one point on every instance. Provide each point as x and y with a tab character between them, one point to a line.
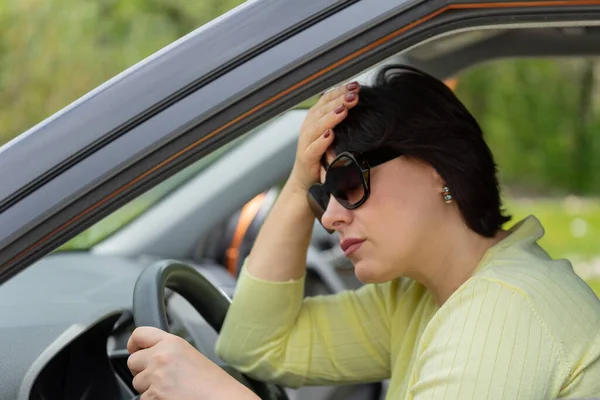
149	310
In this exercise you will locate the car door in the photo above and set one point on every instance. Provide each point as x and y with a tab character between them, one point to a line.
202	92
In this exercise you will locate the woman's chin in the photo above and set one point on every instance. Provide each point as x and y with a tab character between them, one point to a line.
369	272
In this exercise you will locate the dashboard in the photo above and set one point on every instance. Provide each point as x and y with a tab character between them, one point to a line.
66	321
83	369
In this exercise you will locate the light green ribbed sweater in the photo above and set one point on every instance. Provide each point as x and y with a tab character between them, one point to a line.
522	327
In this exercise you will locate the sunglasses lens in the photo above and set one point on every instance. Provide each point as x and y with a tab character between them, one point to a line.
346	182
318	198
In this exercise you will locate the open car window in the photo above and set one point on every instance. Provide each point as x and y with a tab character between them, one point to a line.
130	211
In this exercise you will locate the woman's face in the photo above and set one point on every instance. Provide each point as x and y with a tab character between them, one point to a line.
398	222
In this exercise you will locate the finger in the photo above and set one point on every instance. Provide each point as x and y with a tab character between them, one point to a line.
329	121
349	100
144	337
316	149
338	91
141	382
138	361
334	97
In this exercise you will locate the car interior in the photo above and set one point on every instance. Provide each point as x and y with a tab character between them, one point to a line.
207	217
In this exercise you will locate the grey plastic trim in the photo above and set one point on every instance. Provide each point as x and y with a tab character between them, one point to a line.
519	40
66	338
493	48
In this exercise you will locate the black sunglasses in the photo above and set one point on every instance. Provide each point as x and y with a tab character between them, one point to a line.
347	179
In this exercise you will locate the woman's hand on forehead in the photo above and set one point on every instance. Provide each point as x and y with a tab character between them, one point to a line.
316	133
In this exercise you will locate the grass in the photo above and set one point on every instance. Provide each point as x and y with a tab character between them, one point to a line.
572	225
572	231
595	285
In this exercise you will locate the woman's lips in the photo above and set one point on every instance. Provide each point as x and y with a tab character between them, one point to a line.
350	245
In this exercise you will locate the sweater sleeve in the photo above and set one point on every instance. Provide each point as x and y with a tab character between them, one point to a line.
273	334
487	342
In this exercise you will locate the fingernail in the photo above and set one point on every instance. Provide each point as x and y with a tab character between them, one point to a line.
350	97
339	109
352	86
327	133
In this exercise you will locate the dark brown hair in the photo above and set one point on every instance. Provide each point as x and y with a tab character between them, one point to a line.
415	113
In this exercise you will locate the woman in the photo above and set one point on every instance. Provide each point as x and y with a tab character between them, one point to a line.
454	307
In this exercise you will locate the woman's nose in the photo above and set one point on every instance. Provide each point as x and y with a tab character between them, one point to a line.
335	215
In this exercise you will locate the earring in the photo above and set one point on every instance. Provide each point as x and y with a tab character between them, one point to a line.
446	194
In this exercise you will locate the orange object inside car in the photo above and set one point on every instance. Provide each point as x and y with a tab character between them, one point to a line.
451	83
247	214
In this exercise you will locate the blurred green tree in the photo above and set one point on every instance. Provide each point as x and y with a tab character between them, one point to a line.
54	51
541	118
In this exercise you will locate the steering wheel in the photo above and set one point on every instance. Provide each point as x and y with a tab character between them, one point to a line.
211	303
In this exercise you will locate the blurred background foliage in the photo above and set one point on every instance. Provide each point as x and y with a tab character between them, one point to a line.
541	117
54	51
